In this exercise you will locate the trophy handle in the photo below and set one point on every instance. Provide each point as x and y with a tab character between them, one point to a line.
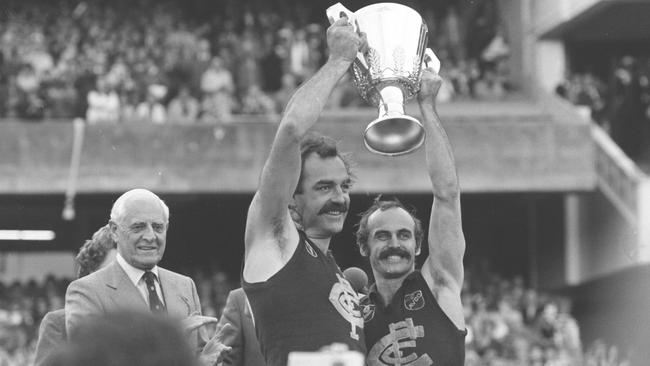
336	11
431	60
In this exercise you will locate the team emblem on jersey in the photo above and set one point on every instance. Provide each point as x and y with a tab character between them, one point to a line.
391	348
414	301
368	311
310	250
346	302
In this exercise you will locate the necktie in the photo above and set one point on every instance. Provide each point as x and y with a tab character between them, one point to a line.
155	304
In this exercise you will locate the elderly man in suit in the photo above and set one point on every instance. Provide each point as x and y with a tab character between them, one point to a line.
241	334
134	281
96	253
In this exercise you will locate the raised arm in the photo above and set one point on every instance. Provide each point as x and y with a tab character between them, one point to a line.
268	217
443	269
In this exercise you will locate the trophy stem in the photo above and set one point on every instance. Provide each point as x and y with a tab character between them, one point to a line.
393	133
391	101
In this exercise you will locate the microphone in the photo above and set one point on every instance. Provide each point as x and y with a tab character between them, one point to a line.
357	278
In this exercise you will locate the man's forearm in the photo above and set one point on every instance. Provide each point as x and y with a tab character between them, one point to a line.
308	101
440	159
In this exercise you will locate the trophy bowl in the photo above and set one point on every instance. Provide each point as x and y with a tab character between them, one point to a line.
388	73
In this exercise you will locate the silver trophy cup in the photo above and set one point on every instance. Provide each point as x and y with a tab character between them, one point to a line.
388	73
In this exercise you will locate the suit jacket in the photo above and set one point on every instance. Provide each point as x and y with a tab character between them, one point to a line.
241	337
110	290
51	335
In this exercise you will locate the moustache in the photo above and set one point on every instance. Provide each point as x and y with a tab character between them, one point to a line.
399	251
333	206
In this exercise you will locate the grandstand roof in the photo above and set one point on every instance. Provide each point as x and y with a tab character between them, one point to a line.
606	20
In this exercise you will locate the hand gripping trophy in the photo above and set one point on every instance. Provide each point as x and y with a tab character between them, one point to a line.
388	73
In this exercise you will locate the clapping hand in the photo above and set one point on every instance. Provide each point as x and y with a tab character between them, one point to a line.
214	350
195	321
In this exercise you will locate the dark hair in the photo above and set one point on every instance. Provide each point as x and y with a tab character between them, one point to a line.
380	204
127	338
325	147
93	252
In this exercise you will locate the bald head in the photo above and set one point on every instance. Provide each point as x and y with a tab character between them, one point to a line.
138	225
133	196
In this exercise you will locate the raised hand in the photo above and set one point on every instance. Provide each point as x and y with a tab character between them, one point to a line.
429	86
343	41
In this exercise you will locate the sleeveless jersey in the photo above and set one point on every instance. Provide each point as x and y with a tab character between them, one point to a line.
412	330
306	305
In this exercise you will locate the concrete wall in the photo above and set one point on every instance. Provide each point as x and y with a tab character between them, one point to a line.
600	240
498	148
23	266
614	309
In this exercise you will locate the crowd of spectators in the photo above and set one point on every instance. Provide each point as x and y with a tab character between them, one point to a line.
619	102
508	324
23	305
186	61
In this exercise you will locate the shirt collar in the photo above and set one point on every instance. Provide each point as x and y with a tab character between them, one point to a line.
134	274
374	294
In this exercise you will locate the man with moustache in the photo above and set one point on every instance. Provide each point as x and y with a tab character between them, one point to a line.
416	317
298	296
134	281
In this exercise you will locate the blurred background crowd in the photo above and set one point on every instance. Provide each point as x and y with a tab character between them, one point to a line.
508	323
182	62
23	305
619	101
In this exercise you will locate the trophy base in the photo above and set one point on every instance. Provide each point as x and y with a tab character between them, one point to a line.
394	135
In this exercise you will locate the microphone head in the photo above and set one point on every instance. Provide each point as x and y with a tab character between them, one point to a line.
357	278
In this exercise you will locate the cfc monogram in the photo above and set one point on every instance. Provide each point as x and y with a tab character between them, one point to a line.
346	302
388	350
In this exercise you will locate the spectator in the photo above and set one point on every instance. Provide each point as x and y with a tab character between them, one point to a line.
568	333
247	71
255	101
282	96
60	97
151	110
529	306
30	106
27	80
218	88
184	108
271	67
129	101
626	108
103	104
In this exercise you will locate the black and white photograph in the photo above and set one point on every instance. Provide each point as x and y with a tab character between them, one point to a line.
323	183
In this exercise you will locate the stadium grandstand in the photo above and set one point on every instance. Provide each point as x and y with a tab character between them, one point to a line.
546	103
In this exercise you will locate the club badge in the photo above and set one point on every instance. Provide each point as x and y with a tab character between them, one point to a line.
368	311
414	301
